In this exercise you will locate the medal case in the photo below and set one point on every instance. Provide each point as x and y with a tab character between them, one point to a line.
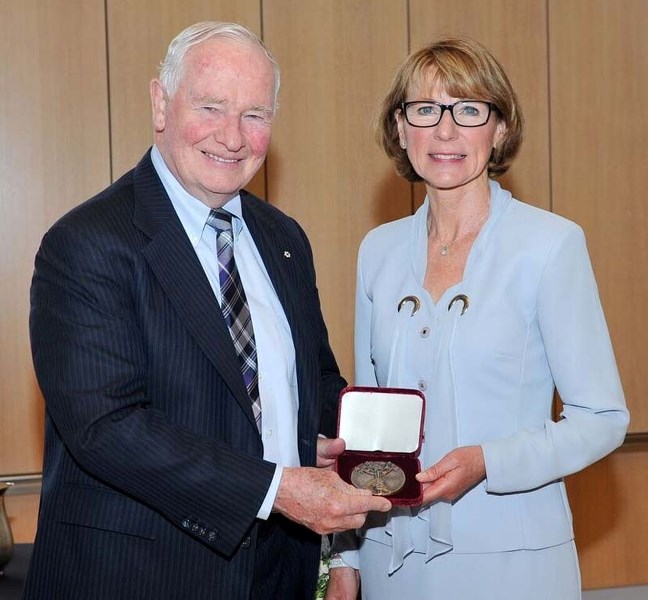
383	424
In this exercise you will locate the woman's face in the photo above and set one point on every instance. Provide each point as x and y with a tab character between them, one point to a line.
448	156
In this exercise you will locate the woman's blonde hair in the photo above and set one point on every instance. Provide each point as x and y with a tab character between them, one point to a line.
465	69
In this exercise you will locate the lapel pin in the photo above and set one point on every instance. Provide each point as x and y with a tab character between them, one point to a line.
465	301
286	254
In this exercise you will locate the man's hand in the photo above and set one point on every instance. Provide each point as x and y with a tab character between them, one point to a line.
344	583
320	500
328	450
456	473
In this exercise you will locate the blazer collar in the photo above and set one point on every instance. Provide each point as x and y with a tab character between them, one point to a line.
179	272
280	257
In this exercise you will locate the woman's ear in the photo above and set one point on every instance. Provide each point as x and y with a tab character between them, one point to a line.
398	115
500	133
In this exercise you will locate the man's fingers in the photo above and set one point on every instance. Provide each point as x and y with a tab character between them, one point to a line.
355	501
369	503
328	450
321	501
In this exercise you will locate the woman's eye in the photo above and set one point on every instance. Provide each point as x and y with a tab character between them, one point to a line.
471	110
428	109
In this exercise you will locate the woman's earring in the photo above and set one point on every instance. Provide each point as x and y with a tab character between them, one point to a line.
403	145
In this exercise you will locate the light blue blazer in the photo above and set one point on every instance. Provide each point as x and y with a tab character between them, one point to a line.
531	320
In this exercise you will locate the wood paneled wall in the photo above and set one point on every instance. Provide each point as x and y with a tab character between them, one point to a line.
74	114
608	501
54	153
324	167
138	34
598	62
597	155
516	34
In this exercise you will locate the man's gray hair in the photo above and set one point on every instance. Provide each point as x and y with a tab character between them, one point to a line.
172	66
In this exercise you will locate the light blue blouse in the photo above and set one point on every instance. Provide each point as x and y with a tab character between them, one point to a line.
533	321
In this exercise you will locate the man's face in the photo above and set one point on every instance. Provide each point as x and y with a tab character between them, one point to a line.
214	132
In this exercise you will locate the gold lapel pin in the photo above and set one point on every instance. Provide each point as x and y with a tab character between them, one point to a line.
413	300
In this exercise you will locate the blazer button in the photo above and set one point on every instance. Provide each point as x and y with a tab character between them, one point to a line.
186	523
211	536
202	531
246	542
422	385
424	332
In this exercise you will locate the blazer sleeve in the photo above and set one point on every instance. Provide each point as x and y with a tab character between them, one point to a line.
579	351
92	367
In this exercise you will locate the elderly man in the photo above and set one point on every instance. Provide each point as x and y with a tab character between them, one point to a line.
180	347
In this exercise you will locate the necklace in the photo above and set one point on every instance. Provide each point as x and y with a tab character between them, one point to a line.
445	248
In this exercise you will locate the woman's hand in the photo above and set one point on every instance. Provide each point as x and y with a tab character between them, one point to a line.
456	473
344	583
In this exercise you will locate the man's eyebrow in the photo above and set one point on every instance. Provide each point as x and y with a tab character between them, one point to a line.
210	100
265	108
261	108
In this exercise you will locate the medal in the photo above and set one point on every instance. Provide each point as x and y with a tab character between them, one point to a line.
382	478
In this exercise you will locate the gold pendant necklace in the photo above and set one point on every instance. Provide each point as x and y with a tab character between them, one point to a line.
444	249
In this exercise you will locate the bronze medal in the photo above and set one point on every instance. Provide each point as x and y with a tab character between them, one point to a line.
382	478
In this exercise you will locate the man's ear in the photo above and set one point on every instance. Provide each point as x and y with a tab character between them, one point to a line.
158	105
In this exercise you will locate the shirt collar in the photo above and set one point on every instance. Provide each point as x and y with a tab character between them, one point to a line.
192	212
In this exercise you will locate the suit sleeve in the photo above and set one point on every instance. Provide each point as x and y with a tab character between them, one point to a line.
580	355
93	370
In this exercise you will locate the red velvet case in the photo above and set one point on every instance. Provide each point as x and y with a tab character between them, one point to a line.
380	424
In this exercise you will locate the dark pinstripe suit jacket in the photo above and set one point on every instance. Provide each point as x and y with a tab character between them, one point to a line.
153	472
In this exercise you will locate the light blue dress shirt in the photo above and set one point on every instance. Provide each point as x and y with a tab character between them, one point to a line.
275	348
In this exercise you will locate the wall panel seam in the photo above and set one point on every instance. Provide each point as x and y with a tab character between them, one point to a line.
549	106
108	93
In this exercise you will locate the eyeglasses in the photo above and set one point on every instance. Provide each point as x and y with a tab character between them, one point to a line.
465	113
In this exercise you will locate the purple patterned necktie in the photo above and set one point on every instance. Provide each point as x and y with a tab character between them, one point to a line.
235	307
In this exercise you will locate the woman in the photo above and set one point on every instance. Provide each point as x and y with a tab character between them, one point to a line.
503	306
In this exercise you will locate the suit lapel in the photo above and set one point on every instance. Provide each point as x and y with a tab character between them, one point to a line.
179	272
276	253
